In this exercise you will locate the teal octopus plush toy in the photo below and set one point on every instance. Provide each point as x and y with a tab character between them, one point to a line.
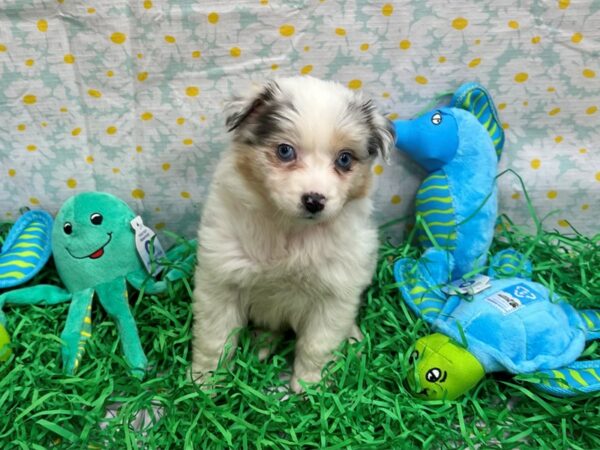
507	323
94	249
458	146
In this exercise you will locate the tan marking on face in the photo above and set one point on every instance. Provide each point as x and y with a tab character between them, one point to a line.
251	169
361	180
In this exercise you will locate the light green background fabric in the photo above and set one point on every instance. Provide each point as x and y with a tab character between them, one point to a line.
126	97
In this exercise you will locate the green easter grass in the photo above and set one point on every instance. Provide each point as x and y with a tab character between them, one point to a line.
365	404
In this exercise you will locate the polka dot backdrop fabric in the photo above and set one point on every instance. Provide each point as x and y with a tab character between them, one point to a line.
127	97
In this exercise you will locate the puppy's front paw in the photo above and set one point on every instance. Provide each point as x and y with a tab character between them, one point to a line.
306	377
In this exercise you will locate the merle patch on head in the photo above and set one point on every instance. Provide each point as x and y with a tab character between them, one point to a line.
380	135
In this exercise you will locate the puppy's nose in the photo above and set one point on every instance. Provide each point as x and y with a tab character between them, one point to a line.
313	202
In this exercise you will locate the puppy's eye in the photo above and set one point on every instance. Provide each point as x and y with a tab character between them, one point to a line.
344	161
436	119
286	152
67	228
96	218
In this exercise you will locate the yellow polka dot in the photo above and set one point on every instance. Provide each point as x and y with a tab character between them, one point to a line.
477	41
551	194
306	69
76	131
116	170
31	148
583	151
554	111
2	48
196	54
147	116
42	25
89	159
159	226
564	4
91	10
188	141
588	73
563	223
536	39
386	95
513	24
138	193
140	55
94	93
364	47
21	127
213	17
340	31
170	39
69	58
44	124
185	194
118	37
12	172
558	139
147	4
180	121
274	66
111	130
235	52
109	73
192	91
139	149
591	110
516	196
505	126
29	99
387	9
442	59
72	183
142	76
405	44
535	164
34	201
460	23
421	79
166	166
597	176
521	77
393	116
29	62
396	199
585	207
202	118
355	84
551	89
286	30
475	62
576	38
64	109
501	106
378	169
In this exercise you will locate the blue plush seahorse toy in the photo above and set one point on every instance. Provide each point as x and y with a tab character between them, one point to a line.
509	323
459	147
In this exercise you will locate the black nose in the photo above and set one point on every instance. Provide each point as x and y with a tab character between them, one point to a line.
313	202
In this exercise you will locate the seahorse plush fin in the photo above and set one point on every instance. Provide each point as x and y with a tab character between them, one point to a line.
26	248
474	98
420	282
510	263
580	377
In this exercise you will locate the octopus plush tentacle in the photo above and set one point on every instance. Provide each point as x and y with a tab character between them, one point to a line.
42	294
77	329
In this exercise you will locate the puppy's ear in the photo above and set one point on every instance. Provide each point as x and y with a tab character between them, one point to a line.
382	137
241	110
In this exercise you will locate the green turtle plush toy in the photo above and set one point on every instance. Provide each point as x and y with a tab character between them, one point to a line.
99	246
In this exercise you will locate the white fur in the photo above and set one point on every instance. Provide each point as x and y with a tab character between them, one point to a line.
265	262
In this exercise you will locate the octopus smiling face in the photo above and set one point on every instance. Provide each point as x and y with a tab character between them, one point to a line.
92	240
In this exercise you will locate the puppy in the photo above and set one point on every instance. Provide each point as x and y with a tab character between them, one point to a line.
286	239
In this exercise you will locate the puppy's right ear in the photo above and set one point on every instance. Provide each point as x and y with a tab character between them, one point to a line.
242	110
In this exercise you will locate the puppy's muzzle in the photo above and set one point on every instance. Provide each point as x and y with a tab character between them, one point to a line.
313	202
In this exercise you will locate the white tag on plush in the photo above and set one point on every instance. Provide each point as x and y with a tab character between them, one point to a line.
144	239
471	286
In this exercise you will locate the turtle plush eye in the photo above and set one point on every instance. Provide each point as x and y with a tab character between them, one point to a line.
436	119
96	218
68	228
433	375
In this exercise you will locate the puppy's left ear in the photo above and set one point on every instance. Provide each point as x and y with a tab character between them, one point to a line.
382	137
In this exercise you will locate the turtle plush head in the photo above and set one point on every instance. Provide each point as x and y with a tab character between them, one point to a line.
92	240
443	369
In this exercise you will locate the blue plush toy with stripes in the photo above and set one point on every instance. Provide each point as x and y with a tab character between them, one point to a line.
504	322
458	146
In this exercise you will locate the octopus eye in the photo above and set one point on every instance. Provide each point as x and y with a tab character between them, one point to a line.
96	218
68	228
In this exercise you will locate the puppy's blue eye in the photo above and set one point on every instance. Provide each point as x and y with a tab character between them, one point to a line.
286	152
344	161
